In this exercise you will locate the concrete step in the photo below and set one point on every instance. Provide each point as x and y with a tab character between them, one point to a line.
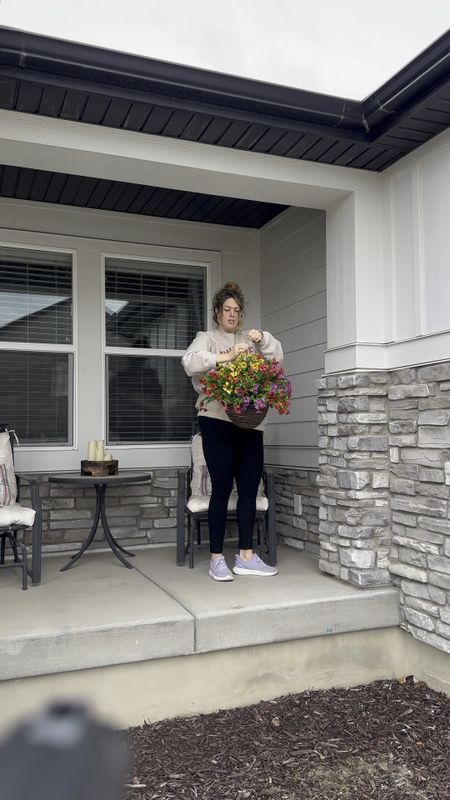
101	614
96	614
297	603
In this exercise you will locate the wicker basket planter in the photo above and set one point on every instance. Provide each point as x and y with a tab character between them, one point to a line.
250	418
98	469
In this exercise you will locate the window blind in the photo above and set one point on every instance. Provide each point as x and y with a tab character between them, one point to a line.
35	296
150	400
151	305
36	396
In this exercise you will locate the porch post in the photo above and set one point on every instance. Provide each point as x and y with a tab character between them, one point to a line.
353	482
355	525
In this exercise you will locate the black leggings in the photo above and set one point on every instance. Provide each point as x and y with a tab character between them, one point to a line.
232	453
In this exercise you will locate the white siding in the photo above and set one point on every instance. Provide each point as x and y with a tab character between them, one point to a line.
231	252
417	195
434	247
293	308
388	294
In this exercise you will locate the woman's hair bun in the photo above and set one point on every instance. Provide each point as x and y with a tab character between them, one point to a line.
232	287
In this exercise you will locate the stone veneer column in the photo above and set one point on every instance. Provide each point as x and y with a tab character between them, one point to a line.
419	408
354	511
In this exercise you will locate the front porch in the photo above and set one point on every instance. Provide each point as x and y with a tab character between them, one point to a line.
162	640
330	261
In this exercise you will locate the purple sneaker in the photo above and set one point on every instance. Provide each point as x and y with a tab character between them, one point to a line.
254	566
219	571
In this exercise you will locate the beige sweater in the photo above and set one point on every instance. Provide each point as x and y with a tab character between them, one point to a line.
200	357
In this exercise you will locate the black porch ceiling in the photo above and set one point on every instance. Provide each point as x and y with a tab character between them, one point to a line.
75	190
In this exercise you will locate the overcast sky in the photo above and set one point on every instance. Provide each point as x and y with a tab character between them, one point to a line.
339	47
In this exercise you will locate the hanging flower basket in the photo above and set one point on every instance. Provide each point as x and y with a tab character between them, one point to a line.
248	418
247	387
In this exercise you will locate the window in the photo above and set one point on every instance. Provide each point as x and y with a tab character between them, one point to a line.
152	312
36	345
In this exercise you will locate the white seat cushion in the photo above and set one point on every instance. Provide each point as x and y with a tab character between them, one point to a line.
262	503
16	515
201	503
8	485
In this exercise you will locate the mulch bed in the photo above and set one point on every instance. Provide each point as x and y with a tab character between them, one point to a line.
389	740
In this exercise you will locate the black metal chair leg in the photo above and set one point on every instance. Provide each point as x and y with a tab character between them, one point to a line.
13	540
258	531
18	561
266	540
259	539
187	537
36	536
191	544
24	566
272	543
181	519
271	532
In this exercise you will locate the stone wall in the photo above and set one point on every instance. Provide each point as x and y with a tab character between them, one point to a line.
146	514
298	531
419	401
140	514
385	488
354	478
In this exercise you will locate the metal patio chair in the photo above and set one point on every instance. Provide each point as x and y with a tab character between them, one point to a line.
192	508
18	522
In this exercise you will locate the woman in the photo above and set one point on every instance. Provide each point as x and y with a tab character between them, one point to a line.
231	453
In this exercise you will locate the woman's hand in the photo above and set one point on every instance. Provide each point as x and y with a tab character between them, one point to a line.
232	353
255	336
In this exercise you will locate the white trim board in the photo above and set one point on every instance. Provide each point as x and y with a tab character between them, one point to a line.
392	355
49	144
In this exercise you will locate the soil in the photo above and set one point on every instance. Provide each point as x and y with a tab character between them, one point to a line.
389	740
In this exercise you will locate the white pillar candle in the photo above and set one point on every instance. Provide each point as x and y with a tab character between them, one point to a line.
108	456
92	449
100	450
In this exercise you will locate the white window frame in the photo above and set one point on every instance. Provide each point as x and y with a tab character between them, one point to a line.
89	410
150	351
35	347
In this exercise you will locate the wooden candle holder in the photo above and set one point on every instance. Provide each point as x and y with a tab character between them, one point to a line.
97	469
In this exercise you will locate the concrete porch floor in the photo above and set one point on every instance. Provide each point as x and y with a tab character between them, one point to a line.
99	613
161	640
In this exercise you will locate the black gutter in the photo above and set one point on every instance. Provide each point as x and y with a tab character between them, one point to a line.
88	68
23	52
429	71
